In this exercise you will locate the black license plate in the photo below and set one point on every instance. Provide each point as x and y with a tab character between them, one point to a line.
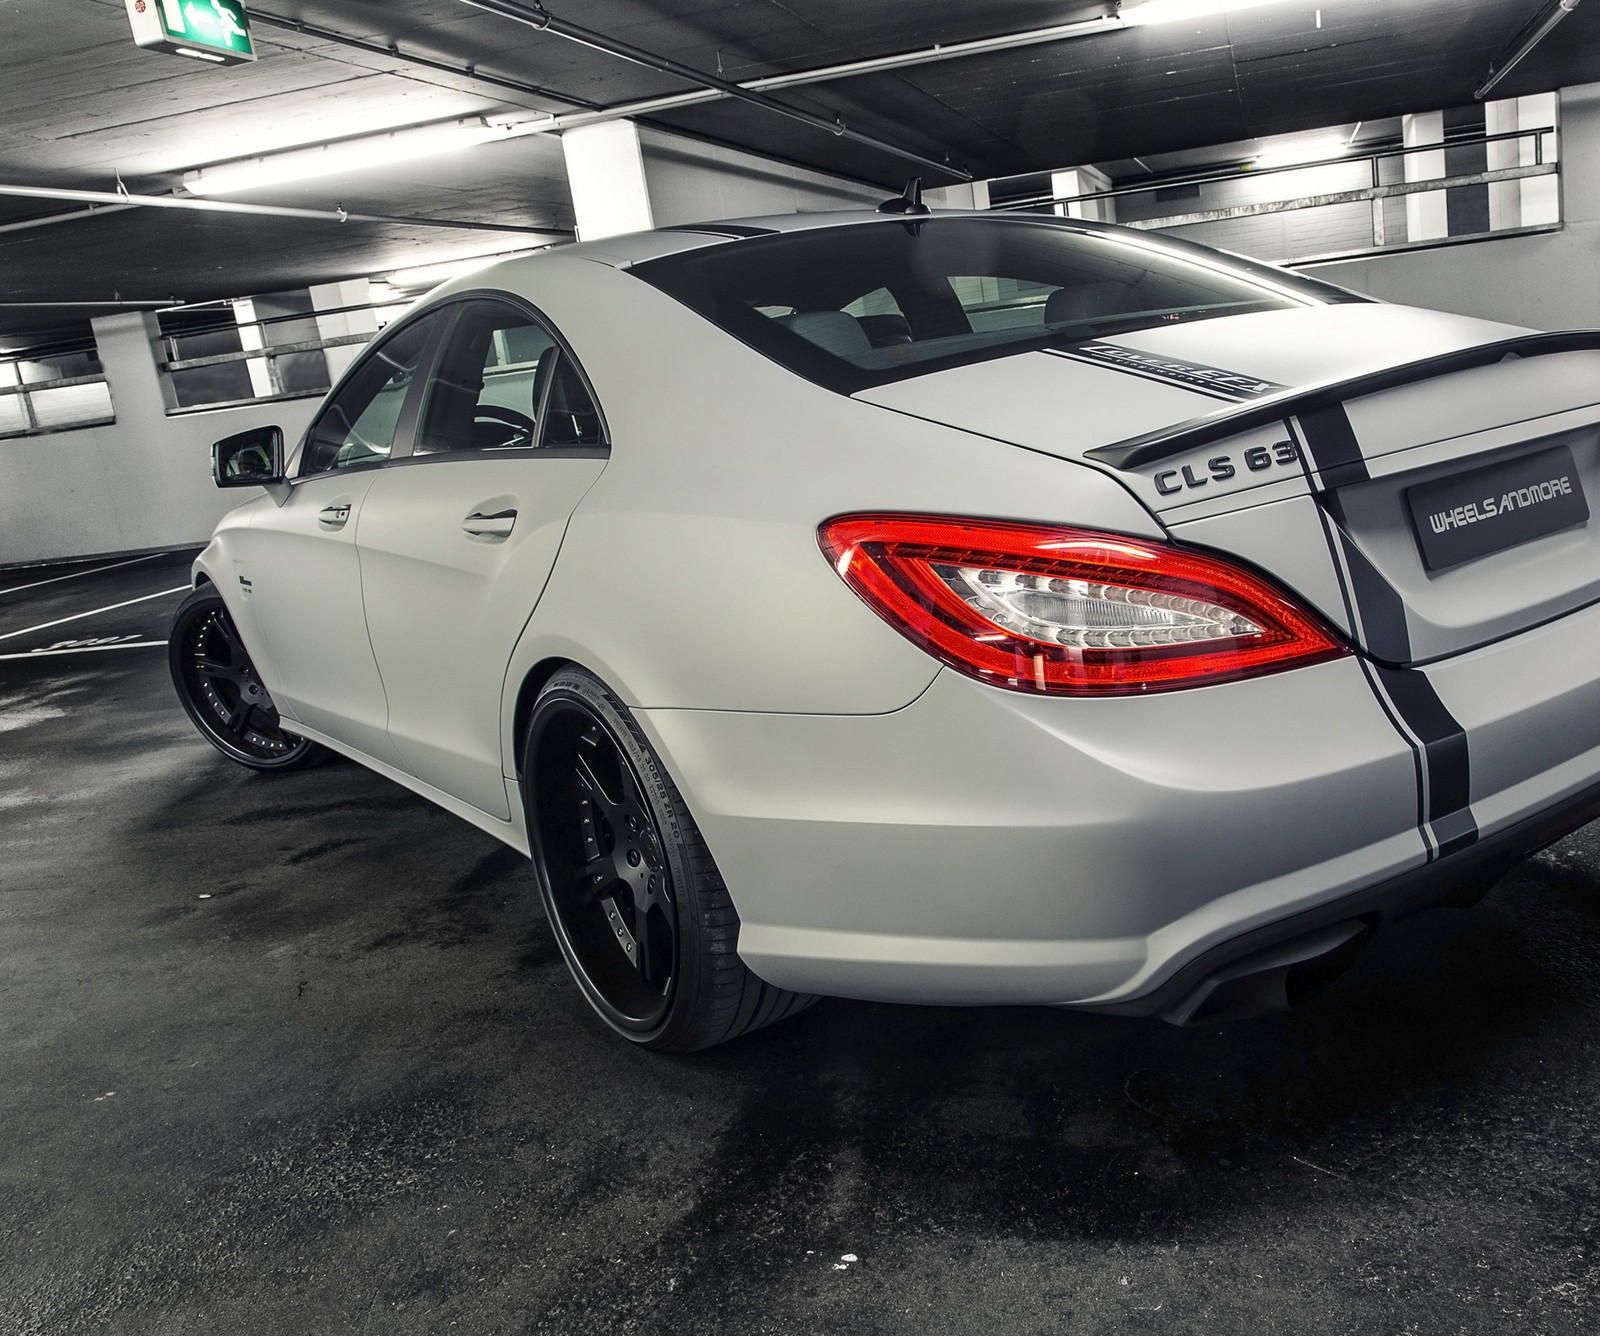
1490	509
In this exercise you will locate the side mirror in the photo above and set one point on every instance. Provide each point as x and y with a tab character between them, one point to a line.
253	458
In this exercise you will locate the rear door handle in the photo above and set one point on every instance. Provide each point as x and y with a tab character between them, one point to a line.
497	525
334	517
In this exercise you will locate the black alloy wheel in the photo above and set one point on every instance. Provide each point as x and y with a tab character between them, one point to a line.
630	889
224	695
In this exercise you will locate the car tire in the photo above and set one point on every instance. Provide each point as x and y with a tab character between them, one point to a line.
632	894
222	692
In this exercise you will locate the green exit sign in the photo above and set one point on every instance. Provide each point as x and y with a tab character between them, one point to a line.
213	30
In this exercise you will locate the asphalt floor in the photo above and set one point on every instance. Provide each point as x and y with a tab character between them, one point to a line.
296	1054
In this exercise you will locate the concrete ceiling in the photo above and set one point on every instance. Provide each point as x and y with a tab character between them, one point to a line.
82	107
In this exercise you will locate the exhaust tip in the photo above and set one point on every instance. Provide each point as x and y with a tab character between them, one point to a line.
1277	979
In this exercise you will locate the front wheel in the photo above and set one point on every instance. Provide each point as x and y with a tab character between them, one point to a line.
224	695
631	891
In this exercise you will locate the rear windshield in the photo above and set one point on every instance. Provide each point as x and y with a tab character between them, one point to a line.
856	306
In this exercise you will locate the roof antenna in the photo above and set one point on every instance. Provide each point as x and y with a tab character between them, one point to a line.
908	201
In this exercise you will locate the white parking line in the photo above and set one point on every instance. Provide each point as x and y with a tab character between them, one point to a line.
95	612
56	579
85	649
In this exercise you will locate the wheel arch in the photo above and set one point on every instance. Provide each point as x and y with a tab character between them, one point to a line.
532	684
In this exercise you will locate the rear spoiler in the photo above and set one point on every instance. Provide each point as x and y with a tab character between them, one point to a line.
1152	448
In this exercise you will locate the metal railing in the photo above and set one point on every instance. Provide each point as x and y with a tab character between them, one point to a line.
273	370
1383	235
45	402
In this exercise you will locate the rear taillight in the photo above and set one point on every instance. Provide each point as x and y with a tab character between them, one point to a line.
1067	611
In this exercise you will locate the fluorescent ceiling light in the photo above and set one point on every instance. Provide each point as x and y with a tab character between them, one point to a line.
1302	150
342	156
1175	11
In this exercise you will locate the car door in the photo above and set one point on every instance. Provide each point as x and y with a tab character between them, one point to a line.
456	541
299	575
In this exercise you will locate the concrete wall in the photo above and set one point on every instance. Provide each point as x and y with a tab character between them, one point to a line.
1549	281
1276	236
144	482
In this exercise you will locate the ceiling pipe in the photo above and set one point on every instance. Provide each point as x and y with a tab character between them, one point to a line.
124	199
49	219
872	65
1534	32
540	19
393	52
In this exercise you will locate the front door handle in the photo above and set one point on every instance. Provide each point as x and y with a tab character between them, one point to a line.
497	525
334	517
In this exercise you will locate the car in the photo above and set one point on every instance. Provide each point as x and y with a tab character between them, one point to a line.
934	608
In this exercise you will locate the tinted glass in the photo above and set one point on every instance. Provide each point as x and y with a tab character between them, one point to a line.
485	389
850	307
571	419
358	424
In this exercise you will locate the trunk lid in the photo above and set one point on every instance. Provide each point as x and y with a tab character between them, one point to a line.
1422	479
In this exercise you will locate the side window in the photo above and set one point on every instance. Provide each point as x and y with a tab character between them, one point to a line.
504	383
484	394
358	425
570	417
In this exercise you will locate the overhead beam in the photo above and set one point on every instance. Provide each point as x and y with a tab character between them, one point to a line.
542	20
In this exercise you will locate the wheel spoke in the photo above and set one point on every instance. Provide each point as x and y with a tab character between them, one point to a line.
230	637
219	671
237	718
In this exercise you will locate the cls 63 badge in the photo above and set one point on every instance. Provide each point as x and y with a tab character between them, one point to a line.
1219	469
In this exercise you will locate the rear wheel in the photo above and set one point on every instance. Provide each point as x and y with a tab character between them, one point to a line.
220	688
631	891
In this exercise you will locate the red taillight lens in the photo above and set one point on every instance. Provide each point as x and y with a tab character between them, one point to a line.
1067	611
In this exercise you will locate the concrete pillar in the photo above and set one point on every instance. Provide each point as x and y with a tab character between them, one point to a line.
605	171
1083	181
963	195
1541	195
331	297
251	337
1427	215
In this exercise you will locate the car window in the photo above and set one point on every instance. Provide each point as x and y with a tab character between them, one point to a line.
856	306
503	382
358	425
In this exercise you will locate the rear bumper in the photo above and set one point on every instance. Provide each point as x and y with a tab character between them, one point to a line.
1263	970
986	847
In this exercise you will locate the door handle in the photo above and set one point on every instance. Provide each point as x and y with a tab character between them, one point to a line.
497	525
334	517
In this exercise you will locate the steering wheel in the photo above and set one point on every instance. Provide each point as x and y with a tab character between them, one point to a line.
522	425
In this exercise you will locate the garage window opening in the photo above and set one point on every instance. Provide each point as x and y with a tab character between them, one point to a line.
852	307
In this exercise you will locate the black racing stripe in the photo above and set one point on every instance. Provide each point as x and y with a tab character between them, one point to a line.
1333	445
1444	744
1382	610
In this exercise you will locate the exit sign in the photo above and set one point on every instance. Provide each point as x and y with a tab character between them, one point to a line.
213	30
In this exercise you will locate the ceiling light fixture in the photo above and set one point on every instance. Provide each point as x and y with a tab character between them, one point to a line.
1137	13
437	271
1299	151
345	155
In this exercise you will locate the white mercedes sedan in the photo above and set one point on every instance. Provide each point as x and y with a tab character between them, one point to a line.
959	608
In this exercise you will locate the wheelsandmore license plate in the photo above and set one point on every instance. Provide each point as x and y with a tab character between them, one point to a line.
1490	509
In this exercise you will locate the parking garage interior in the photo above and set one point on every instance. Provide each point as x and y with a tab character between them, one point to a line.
298	1052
